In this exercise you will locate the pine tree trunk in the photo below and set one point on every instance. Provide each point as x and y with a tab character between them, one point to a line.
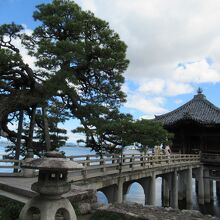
19	135
31	129
46	129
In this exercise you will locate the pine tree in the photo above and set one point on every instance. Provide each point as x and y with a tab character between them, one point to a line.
80	61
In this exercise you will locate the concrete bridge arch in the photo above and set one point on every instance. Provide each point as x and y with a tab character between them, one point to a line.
110	193
127	186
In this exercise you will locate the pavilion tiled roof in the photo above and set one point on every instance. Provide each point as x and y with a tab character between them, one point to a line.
198	109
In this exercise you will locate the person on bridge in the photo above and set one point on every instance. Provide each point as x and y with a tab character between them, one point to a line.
167	150
156	150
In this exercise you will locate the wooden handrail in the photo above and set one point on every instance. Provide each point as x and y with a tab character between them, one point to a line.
210	157
121	163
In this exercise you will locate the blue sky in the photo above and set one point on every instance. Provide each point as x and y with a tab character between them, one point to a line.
173	48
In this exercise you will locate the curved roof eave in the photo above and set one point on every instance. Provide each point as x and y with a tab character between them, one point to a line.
198	109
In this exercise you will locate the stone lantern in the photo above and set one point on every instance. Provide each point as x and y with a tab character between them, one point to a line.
51	184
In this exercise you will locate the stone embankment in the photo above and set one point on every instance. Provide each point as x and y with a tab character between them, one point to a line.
140	212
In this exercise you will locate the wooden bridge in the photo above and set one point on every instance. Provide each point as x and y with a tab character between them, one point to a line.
113	175
94	165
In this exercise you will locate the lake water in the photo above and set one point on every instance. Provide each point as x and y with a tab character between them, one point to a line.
136	193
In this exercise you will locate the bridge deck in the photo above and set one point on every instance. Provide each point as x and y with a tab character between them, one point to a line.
17	188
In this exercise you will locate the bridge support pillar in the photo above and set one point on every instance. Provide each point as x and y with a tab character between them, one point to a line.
165	191
152	190
201	186
196	186
146	186
111	193
181	186
206	187
174	190
189	188
120	191
211	190
218	188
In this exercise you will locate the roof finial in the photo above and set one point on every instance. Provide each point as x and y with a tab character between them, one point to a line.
199	90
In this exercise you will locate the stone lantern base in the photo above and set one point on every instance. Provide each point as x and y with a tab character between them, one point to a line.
47	209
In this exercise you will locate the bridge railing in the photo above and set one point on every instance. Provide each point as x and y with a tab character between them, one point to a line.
210	158
113	163
7	167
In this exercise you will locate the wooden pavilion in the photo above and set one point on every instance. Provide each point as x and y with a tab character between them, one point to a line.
196	126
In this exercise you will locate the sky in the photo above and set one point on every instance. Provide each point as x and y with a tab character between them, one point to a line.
173	48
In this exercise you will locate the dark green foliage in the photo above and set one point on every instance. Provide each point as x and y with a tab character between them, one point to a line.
10	150
148	133
107	132
56	115
80	62
9	209
86	52
76	208
111	131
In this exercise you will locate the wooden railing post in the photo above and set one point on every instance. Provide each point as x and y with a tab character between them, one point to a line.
142	160
152	160
113	158
119	160
102	163
120	163
84	171
159	160
123	160
131	161
88	160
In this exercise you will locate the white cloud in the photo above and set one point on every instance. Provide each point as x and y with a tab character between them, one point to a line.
178	101
73	137
160	35
154	86
149	116
199	72
164	87
23	51
150	106
175	88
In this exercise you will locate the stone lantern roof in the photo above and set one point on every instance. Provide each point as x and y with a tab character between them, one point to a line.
52	161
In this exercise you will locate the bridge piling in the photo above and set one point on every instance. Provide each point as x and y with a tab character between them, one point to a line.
165	191
189	188
207	196
174	190
201	186
218	188
211	190
181	186
145	184
111	193
120	191
152	188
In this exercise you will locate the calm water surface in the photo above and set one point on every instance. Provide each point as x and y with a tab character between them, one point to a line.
136	193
